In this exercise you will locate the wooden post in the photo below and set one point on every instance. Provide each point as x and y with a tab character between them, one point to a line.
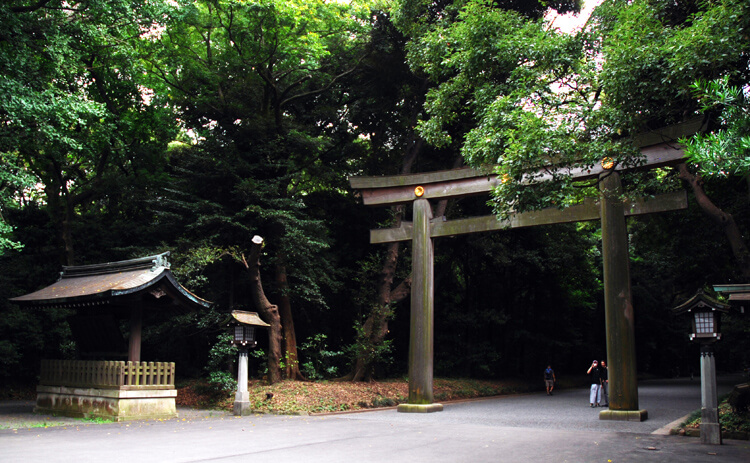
618	305
421	340
136	327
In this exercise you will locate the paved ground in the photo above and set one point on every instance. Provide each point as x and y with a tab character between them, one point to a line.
560	428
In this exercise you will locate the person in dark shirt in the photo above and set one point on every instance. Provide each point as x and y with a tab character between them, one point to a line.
595	375
549	379
604	395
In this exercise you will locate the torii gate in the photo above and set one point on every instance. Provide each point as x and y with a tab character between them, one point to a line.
657	148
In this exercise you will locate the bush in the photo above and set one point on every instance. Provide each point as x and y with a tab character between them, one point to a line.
222	353
222	381
739	399
319	362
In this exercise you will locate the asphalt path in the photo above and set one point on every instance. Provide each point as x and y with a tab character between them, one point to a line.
560	428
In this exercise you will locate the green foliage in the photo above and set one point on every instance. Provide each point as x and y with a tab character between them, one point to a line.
694	416
222	353
191	126
243	76
416	16
732	421
516	95
97	420
725	152
372	351
729	420
288	361
318	361
191	265
526	99
76	117
260	356
15	184
222	381
653	55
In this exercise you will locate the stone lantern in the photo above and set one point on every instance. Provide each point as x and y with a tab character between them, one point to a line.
705	314
243	336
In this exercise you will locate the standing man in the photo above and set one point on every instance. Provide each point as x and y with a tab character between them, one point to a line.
604	396
595	375
549	379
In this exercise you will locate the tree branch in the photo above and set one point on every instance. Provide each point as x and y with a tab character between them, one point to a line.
725	220
25	9
324	88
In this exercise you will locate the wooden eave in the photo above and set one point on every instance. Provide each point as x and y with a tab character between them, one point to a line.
699	301
112	283
247	318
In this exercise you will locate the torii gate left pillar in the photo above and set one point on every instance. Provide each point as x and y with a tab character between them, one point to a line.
618	305
421	335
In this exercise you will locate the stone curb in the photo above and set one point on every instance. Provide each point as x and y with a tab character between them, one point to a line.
692	432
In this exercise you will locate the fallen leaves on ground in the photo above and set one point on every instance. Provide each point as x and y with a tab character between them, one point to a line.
301	397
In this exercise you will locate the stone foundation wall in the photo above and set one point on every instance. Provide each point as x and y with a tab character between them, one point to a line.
111	404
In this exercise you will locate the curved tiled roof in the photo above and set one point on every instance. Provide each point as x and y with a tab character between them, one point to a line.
98	284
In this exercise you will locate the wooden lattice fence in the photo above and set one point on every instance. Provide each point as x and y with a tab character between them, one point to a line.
107	374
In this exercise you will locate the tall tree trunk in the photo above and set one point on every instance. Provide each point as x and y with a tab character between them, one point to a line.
289	338
59	205
375	326
67	233
269	312
725	220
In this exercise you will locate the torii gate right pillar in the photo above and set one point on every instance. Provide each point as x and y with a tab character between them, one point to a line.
618	305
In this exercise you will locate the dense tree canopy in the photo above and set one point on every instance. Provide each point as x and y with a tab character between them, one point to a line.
536	98
134	127
74	111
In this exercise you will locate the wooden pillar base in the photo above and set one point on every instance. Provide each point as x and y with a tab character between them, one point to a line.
420	408
623	415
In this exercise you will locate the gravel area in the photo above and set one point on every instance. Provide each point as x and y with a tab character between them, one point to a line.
665	400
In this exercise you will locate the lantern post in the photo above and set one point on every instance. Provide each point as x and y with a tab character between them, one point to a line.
243	337
705	318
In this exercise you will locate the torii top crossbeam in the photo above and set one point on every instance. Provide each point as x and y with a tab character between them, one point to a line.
658	149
